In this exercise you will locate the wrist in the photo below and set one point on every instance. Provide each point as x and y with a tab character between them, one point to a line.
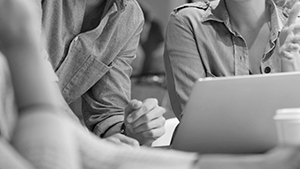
123	129
114	129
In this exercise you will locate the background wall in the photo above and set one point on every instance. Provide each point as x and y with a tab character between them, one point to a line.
161	9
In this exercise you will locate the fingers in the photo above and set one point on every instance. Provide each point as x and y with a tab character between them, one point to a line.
121	139
144	108
148	129
292	26
291	46
132	106
295	39
295	28
154	134
153	116
293	15
146	124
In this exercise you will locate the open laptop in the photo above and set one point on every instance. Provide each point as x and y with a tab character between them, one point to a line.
235	114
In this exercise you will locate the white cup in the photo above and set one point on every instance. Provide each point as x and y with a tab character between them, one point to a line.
288	126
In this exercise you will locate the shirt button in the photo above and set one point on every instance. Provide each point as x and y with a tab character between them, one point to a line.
76	38
267	69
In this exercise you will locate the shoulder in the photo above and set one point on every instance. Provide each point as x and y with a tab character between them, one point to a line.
132	11
200	5
133	6
198	9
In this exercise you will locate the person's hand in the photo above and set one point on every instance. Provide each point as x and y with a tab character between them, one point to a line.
122	140
282	157
144	121
290	42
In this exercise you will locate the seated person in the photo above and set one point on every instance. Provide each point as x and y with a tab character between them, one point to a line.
92	54
227	38
44	139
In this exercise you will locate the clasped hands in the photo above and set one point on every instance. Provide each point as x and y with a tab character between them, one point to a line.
144	123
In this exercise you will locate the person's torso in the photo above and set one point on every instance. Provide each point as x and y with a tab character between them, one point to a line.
222	50
79	58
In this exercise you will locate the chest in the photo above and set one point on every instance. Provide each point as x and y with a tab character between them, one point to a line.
257	43
92	18
226	54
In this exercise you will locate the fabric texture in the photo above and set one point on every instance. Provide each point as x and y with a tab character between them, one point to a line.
94	64
200	42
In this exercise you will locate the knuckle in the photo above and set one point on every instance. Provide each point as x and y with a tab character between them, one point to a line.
147	126
163	131
135	142
145	108
161	110
149	134
163	121
146	117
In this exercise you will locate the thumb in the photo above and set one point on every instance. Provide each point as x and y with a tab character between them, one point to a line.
132	105
293	15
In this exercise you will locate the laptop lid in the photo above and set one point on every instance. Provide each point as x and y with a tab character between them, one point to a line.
234	115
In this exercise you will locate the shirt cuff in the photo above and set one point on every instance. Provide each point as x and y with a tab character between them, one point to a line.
112	124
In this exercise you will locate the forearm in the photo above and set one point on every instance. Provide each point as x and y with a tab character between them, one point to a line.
97	152
149	158
10	158
117	128
64	107
22	49
32	88
103	106
46	141
230	162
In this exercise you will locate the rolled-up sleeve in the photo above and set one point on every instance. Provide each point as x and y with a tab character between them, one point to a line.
182	61
104	103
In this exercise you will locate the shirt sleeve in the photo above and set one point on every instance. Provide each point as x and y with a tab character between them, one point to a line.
103	105
182	61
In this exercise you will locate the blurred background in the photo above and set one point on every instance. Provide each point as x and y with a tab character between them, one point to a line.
148	71
148	77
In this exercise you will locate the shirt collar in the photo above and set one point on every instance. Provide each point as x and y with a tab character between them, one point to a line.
119	4
277	17
218	12
114	6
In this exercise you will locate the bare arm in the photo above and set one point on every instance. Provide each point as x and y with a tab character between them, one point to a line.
20	43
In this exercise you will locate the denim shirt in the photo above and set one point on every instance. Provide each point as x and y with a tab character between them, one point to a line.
200	42
94	64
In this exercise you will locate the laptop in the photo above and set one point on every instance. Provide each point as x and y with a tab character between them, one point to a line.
234	115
